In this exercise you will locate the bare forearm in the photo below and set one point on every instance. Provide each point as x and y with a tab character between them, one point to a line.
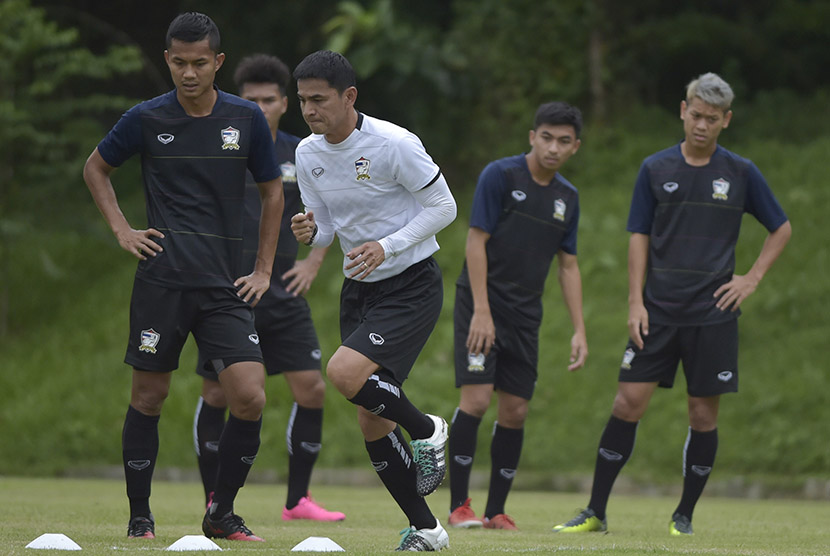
269	225
570	280
476	254
772	248
637	261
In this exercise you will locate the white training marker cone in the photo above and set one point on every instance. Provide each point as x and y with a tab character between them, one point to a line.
192	543
318	544
53	541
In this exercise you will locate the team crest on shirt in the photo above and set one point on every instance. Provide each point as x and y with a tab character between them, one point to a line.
628	357
559	207
721	189
475	362
361	166
289	172
149	340
230	138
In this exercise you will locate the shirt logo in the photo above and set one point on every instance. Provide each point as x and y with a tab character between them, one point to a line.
519	195
721	189
376	338
628	357
475	362
254	338
164	138
316	354
317	172
361	166
149	340
289	172
230	139
670	186
559	207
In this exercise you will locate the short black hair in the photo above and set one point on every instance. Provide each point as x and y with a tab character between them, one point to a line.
262	68
193	27
559	113
330	66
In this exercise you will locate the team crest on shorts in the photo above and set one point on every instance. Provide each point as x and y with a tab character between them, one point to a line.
721	189
149	340
361	166
475	362
230	139
628	357
559	208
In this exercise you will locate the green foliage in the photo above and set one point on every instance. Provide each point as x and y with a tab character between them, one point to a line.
46	116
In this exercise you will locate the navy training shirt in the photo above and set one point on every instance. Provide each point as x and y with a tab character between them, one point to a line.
692	215
194	183
528	224
287	247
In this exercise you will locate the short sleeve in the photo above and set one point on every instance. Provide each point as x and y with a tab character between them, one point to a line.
123	140
411	164
641	213
262	158
568	244
761	202
488	198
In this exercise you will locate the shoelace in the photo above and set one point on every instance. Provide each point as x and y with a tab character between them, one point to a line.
410	539
240	523
581	518
422	456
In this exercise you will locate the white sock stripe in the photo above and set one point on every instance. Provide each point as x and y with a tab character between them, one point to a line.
389	387
289	429
199	405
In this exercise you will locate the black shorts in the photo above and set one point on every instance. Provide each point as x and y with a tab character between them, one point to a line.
709	354
161	318
389	321
511	365
286	336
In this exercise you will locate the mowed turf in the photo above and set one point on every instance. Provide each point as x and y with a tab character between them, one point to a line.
94	514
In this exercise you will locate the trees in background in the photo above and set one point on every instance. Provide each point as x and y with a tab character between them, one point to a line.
47	103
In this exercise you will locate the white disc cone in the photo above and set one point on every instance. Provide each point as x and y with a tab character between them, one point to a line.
318	544
192	543
54	541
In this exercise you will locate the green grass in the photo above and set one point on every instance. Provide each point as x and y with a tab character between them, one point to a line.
94	513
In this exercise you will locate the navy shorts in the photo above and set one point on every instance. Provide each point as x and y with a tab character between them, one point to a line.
286	336
709	355
511	365
161	318
389	321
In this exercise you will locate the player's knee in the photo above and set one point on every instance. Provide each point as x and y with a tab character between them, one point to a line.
248	405
341	377
213	394
149	401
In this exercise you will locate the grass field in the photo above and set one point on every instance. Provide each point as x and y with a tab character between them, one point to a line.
93	514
